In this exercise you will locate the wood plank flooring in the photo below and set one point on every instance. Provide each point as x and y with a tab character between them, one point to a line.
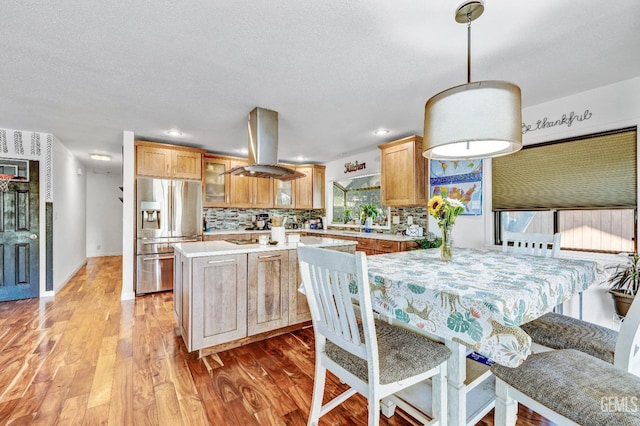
86	358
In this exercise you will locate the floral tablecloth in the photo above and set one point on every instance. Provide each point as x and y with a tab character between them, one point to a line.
479	299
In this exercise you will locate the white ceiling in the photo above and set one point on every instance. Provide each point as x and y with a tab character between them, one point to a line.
335	70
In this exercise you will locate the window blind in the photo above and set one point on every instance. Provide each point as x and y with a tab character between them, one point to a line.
591	172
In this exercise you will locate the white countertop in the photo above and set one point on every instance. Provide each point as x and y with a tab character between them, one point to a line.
214	248
321	232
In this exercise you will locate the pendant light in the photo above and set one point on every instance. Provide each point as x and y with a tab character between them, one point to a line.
474	120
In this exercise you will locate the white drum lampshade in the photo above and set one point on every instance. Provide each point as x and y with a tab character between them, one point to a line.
474	120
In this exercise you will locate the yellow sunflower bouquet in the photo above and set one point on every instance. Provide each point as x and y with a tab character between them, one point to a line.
445	210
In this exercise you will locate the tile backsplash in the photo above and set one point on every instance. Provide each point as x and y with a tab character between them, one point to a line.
239	219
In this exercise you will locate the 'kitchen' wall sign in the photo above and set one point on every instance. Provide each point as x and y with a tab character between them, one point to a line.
354	167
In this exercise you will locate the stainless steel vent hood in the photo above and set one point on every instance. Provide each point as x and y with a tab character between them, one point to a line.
263	148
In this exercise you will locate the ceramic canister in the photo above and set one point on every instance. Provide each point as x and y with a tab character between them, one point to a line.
277	234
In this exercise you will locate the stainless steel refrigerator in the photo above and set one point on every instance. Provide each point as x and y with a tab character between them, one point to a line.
168	211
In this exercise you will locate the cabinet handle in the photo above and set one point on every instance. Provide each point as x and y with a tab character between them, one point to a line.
168	173
268	256
174	170
221	261
157	258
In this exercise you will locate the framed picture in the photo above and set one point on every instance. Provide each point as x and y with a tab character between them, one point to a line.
460	180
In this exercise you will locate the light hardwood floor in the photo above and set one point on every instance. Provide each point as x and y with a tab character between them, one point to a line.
86	358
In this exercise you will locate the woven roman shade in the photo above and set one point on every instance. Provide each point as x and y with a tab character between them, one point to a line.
586	173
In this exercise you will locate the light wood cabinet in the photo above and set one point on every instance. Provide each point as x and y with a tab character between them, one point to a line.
310	189
318	187
218	301
284	195
298	306
168	161
268	291
247	191
404	173
215	184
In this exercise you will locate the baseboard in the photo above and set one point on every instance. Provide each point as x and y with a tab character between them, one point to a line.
104	254
55	290
127	296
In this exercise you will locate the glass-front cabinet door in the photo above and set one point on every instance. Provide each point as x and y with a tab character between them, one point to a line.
216	184
283	193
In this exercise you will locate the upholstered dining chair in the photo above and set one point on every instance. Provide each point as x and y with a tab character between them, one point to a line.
570	387
554	331
374	358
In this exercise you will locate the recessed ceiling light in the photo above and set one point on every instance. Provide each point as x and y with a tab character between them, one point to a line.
243	151
174	132
100	157
381	132
299	158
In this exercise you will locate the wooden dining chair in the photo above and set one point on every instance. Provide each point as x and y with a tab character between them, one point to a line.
545	245
535	244
373	357
570	387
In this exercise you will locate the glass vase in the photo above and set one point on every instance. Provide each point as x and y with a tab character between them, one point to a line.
446	249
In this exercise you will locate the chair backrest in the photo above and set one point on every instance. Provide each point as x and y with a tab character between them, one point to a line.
627	354
544	245
330	279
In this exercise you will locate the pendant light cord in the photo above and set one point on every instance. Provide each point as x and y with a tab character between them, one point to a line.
469	45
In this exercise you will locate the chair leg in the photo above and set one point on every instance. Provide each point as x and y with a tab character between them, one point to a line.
318	393
580	299
388	407
439	396
374	410
506	411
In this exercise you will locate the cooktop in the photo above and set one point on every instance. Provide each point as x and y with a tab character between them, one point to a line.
241	242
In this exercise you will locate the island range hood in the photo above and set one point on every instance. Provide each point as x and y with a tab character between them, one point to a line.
263	149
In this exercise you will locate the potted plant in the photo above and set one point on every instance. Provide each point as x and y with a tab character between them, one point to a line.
346	215
430	241
368	213
624	284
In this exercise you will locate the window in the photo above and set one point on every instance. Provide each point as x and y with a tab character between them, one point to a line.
584	188
587	230
350	194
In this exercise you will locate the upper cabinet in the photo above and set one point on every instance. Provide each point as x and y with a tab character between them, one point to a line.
404	173
284	193
309	190
215	183
168	161
249	191
222	190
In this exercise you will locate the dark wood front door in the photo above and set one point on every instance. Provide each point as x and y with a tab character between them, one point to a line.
19	238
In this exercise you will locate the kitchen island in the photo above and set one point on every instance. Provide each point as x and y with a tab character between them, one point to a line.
227	295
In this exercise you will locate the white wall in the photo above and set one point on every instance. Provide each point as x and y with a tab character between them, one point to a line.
128	215
104	213
69	215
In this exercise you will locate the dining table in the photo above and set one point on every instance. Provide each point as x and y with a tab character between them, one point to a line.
475	304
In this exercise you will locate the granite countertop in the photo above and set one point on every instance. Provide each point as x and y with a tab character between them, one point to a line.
321	232
214	248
